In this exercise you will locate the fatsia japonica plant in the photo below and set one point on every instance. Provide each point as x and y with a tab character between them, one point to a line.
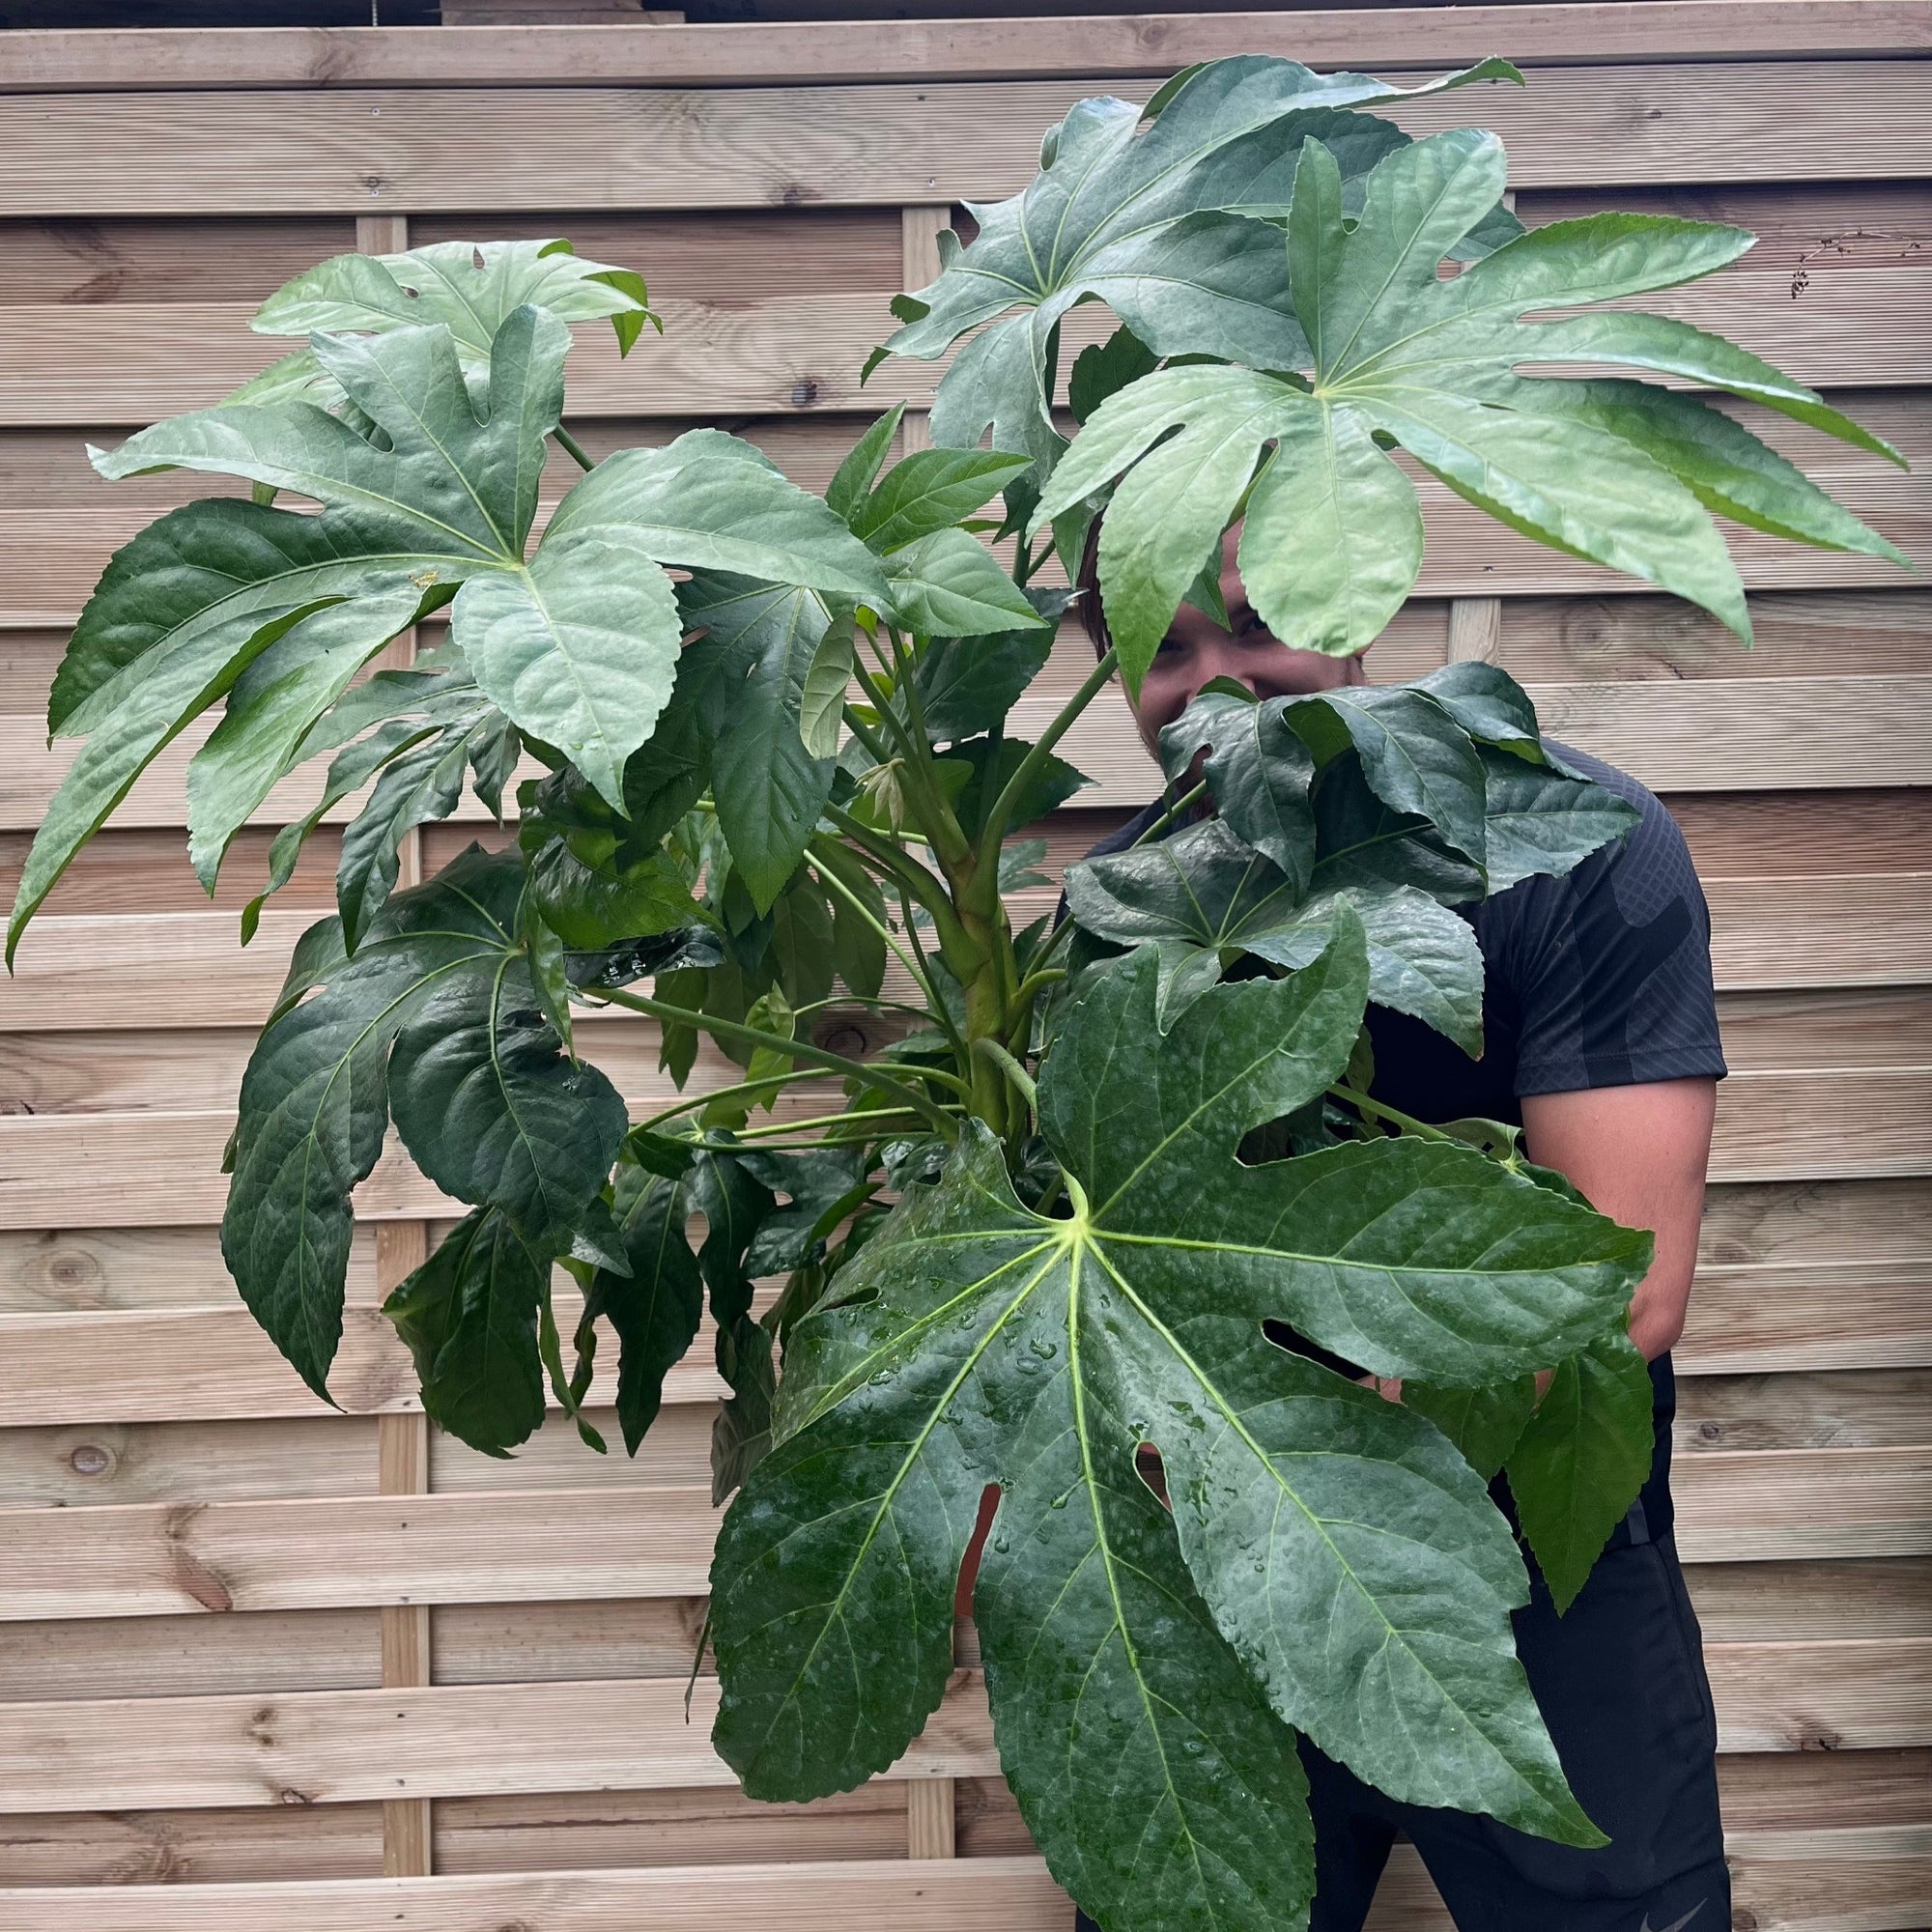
1114	1164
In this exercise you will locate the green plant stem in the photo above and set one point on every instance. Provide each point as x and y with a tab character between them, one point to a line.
995	832
1036	981
570	445
741	1089
992	1050
915	965
846	1119
1377	1110
1182	803
910	876
862	731
797	1049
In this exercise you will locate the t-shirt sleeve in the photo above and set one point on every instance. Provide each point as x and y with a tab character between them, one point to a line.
1608	968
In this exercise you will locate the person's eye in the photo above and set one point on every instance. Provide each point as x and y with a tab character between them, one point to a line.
1170	647
1252	630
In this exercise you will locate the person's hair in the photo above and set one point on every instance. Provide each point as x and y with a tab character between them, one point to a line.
1088	581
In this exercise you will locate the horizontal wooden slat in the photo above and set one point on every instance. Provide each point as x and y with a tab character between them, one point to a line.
457	149
132	362
81	1268
1873	929
179	1068
1810	1409
1570	641
1104	46
1848	1695
164	1167
1814	1224
331	1747
168	1558
154	1560
205	1363
274	1844
1808	1597
1804	1502
940	1895
62	1467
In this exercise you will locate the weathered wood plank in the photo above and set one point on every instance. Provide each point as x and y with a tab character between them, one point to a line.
1777	1602
943	1895
1103	47
79	1268
191	1656
162	1168
1869	1408
628	1827
334	1747
1847	1695
1804	1502
1799	634
134	362
141	1852
246	151
1862	930
1771	1318
74	1466
159	1559
1825	1223
209	1363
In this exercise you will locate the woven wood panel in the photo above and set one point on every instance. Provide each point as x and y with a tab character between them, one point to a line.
266	1662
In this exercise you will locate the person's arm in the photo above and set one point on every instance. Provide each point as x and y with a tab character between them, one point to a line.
1638	1154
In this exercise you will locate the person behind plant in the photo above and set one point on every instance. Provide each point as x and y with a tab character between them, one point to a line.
1601	1030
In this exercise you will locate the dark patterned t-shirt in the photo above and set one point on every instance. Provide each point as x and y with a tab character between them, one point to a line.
1597	978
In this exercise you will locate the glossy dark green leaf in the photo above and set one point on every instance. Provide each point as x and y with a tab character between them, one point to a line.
494	1114
967	685
769	788
314	1098
1539	821
1259	772
1127	208
949	585
656	1308
1484	1424
1103	368
852	482
929	491
470	1318
974	1341
1619	472
992	764
1363	841
470	287
1582	1459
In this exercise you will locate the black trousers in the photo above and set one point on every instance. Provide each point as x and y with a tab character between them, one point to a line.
1620	1681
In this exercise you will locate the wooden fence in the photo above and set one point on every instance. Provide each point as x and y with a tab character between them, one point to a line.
262	1664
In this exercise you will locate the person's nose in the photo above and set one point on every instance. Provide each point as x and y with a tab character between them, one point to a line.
1227	659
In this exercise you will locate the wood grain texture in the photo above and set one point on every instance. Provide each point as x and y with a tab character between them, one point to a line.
1813	1502
357	151
334	1747
984	1895
1103	47
162	1168
152	1560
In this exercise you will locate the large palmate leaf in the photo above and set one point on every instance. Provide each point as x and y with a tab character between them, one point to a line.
1619	472
1147	210
434	1021
1204	896
470	287
1337	1545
